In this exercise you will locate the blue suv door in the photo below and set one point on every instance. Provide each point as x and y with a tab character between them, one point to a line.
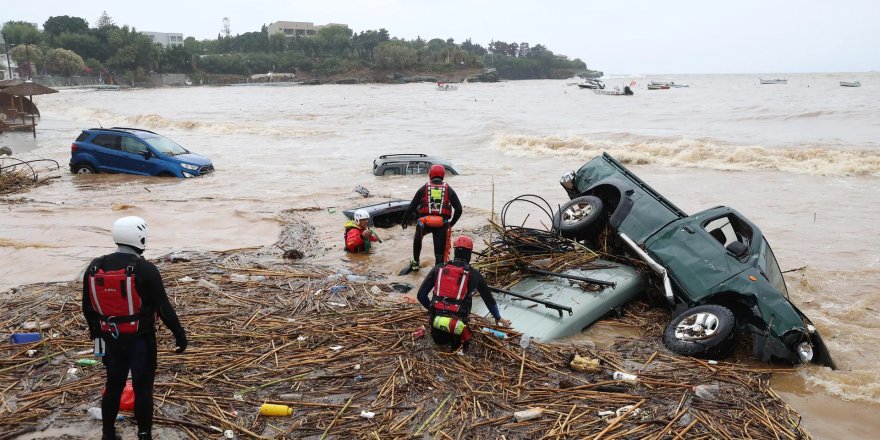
132	157
107	152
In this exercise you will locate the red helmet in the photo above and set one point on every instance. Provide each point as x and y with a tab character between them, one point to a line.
437	171
463	241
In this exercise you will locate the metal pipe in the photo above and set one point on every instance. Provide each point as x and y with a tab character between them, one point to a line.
571	277
667	284
559	308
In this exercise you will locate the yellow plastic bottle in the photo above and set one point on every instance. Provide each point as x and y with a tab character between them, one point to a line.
268	409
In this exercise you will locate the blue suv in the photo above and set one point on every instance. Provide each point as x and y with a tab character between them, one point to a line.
134	151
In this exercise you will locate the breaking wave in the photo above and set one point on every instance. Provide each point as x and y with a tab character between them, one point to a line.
154	121
697	153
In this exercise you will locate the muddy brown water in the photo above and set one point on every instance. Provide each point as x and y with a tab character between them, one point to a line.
801	162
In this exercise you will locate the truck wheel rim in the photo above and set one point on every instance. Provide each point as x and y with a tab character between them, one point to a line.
83	171
697	326
576	213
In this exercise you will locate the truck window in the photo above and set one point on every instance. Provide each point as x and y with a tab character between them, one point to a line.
727	229
770	269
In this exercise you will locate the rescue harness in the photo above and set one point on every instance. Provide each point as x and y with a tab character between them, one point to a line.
114	296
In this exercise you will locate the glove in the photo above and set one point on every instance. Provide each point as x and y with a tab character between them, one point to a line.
181	345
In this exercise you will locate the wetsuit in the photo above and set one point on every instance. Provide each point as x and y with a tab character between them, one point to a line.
438	233
476	283
135	352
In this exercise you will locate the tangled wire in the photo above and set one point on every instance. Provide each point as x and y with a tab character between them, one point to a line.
532	241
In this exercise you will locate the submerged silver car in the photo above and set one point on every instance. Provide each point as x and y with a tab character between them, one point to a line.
402	164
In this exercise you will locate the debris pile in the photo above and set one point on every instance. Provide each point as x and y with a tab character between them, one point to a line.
17	176
351	359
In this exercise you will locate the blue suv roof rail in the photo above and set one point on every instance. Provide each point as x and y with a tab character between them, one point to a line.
386	156
129	128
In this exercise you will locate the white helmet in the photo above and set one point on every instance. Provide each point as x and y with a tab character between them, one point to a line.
361	214
131	231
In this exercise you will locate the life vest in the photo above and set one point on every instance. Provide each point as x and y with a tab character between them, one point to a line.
355	242
115	298
436	201
450	290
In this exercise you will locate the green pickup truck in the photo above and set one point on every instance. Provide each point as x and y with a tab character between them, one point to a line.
715	267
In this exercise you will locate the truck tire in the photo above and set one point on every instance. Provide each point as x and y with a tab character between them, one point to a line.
579	218
707	331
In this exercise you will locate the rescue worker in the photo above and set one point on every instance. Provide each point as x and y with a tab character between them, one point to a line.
454	284
121	297
439	209
358	235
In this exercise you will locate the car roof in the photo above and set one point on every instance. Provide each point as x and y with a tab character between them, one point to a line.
129	130
410	157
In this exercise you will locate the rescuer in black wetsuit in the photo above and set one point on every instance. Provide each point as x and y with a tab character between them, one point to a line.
130	343
439	209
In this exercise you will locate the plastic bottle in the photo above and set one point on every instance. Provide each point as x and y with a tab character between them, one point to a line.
620	375
95	413
360	279
524	341
86	362
205	283
498	334
268	409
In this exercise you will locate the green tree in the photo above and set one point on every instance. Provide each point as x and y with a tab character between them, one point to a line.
18	32
65	23
64	62
23	53
334	41
89	46
104	21
394	55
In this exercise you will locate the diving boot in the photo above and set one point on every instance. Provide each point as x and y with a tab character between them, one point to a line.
145	436
114	436
413	265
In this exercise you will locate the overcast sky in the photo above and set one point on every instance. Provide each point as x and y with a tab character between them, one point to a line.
626	36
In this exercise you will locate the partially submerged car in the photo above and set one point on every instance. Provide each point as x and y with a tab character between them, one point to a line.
549	307
134	151
716	269
382	215
403	164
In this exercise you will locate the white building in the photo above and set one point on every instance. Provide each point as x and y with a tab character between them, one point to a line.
6	71
298	28
165	38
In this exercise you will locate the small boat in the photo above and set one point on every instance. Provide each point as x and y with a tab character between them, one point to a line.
445	87
670	84
592	84
653	86
774	81
850	84
616	92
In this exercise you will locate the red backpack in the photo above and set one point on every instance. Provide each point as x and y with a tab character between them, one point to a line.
114	297
450	289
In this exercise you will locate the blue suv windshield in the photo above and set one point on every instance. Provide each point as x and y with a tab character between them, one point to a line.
165	145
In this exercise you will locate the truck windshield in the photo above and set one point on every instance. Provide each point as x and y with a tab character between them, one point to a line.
770	269
165	145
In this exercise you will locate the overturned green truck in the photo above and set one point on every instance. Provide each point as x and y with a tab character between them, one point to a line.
715	268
